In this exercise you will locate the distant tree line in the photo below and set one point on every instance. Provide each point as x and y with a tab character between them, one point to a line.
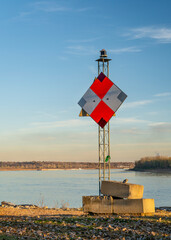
158	162
38	165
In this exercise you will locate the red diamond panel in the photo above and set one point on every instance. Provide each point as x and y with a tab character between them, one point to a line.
102	99
102	123
102	113
101	76
101	87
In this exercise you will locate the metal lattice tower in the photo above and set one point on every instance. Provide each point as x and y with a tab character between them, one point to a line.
103	133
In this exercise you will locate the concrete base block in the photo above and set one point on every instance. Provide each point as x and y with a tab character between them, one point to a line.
133	206
97	204
108	205
122	190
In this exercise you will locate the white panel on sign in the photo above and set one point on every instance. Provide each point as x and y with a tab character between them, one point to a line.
111	98
91	101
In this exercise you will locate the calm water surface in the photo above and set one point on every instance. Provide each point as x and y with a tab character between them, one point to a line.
55	187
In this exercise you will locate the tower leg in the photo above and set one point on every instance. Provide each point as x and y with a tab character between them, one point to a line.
104	151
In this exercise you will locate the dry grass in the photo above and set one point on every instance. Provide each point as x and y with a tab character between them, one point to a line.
156	162
38	211
155	158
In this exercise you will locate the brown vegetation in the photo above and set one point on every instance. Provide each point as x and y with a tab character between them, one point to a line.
157	162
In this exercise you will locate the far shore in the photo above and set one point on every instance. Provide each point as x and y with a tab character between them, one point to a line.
50	169
59	169
164	171
33	169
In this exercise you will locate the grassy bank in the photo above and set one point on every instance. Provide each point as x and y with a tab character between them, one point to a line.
153	163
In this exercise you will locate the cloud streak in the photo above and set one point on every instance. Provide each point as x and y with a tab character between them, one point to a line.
46	6
125	50
129	120
161	127
161	34
136	103
76	124
165	94
84	40
51	7
64	125
88	50
81	50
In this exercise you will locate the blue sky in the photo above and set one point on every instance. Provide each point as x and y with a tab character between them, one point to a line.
47	62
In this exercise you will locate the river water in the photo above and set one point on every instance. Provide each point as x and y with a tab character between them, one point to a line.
66	187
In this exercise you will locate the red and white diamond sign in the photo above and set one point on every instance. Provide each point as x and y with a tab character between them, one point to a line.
102	100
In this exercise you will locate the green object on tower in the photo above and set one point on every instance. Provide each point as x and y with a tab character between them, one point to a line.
107	158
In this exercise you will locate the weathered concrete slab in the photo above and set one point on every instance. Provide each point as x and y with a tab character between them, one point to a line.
133	206
122	190
97	204
108	205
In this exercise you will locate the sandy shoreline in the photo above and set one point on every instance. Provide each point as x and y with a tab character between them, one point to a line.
38	211
152	170
34	211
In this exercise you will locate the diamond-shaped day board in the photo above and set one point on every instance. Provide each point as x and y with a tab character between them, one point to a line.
102	100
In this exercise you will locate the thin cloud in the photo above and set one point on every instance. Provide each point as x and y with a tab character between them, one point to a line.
49	7
44	115
23	15
77	48
137	103
131	120
81	50
84	40
62	124
41	6
75	124
165	94
154	124
162	34
125	50
153	113
153	144
164	127
133	131
63	58
83	9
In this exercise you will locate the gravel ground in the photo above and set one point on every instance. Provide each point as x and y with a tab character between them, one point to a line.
43	223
